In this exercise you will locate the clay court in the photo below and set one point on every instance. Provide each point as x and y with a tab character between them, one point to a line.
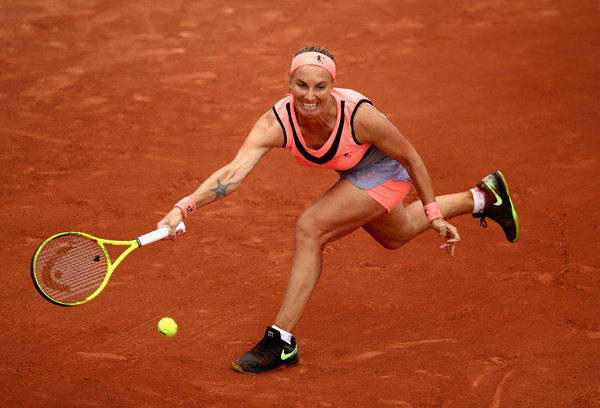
110	112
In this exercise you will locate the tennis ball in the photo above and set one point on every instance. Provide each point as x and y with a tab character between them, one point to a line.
167	327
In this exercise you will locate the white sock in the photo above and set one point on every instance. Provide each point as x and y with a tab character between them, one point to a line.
285	336
479	199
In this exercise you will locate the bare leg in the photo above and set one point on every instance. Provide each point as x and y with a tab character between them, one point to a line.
403	224
341	210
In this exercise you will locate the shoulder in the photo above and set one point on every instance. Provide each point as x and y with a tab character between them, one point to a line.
349	95
369	124
367	114
267	130
279	105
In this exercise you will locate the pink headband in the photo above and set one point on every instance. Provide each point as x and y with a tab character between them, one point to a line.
313	58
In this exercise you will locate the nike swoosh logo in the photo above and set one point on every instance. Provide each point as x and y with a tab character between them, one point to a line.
498	198
285	356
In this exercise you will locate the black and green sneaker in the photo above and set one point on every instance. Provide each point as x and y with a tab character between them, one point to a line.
499	206
271	352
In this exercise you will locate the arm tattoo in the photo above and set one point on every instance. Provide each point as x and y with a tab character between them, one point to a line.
221	190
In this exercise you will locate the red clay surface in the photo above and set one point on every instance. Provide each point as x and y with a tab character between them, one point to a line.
111	112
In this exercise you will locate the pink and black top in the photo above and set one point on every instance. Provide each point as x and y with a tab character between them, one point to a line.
362	163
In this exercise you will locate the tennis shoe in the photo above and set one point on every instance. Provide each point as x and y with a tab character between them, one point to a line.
499	206
270	353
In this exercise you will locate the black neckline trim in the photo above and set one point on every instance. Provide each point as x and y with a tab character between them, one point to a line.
334	146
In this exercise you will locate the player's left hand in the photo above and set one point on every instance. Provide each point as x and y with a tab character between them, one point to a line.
449	232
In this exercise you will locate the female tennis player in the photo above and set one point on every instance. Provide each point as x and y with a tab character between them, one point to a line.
340	129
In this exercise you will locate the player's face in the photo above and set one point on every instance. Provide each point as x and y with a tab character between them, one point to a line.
310	86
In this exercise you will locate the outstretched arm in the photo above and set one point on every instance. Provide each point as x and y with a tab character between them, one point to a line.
265	135
371	126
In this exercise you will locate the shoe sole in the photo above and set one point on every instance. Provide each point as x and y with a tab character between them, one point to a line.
512	207
241	370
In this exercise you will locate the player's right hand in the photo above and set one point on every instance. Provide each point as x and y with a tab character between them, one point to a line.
171	220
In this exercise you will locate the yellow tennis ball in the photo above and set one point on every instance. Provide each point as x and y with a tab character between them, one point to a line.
167	327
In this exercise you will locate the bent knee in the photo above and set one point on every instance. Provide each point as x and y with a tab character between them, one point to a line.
389	239
391	244
307	230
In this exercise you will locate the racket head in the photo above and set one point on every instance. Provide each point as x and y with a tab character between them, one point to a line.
70	268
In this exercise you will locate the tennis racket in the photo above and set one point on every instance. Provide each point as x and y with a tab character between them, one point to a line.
71	268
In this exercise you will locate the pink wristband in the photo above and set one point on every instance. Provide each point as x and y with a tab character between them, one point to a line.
186	205
432	211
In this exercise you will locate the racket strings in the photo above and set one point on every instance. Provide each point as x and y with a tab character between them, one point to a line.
69	268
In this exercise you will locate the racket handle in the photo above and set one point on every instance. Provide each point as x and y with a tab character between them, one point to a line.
157	235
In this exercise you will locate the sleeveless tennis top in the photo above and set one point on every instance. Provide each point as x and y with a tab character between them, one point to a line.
362	163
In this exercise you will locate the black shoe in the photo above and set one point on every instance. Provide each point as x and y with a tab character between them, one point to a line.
499	206
270	353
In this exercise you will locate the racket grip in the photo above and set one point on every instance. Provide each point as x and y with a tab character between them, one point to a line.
157	235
